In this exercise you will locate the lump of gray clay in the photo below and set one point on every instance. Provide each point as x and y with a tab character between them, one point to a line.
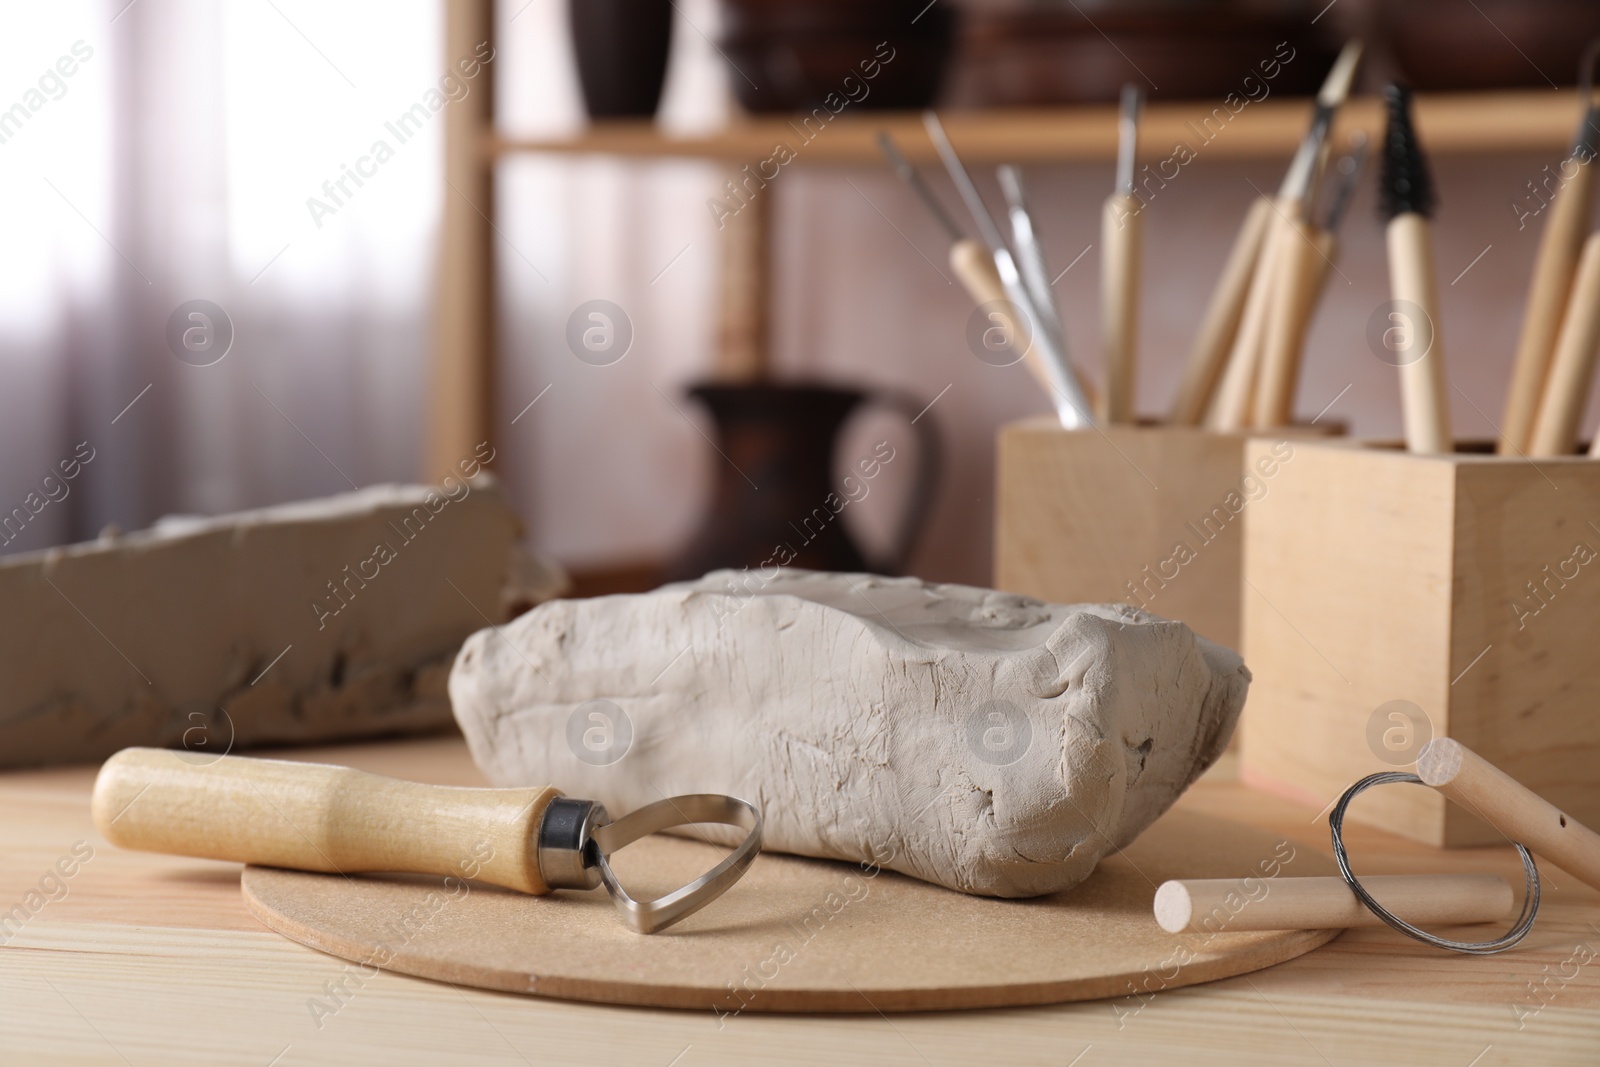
987	742
310	621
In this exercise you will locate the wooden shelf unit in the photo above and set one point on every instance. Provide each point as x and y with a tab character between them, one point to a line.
1454	123
461	408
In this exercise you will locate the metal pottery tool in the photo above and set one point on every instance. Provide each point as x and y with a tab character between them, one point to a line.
909	174
319	817
1343	187
1066	394
973	263
1528	821
969	259
1030	252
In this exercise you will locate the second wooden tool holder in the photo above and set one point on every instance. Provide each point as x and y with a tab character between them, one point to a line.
1147	515
1466	584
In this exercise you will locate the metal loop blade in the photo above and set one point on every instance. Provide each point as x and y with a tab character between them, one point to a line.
650	916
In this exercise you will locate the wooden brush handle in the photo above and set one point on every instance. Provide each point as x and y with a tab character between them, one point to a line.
1217	905
1424	394
1557	258
1209	355
1121	235
1566	391
1510	807
317	817
1302	264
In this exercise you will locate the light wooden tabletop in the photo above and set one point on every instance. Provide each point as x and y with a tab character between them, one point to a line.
139	959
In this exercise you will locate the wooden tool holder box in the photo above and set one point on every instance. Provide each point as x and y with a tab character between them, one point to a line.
1146	515
1467	585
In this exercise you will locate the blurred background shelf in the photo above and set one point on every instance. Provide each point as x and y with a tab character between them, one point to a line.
833	272
1450	123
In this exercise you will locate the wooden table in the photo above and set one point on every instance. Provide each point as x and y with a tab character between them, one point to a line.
147	959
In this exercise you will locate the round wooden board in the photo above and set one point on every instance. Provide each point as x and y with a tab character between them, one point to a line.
799	935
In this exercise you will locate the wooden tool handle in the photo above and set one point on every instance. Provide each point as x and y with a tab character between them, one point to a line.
1217	905
1548	292
1566	392
974	265
1230	409
317	817
1121	235
1220	325
1303	263
1510	807
1424	394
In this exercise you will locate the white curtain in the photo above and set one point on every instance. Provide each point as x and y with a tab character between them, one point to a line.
162	151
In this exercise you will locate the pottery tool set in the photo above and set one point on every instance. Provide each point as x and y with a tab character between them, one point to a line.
1438	589
1072	525
1244	366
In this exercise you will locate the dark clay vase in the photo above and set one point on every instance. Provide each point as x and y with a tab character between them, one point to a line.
621	48
774	478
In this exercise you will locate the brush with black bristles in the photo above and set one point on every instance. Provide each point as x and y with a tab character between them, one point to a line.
1406	199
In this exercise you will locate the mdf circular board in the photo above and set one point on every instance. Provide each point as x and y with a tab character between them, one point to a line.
802	935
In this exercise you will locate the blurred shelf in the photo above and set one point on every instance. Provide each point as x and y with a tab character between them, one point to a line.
1451	123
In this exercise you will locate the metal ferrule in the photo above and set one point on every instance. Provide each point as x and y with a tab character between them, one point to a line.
1128	137
568	858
